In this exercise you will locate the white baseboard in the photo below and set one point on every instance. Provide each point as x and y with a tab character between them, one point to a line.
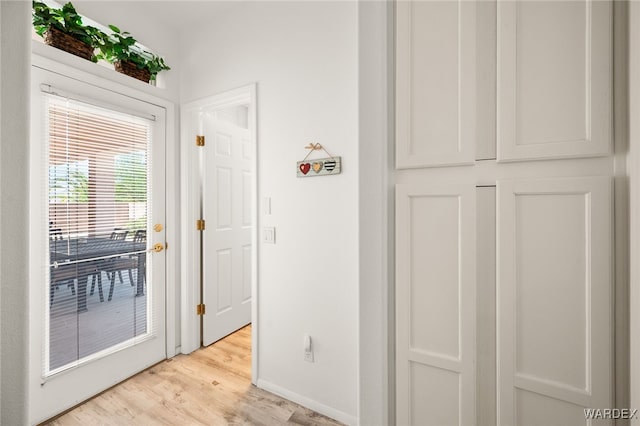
308	403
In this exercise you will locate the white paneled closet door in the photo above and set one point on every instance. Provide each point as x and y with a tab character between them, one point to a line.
504	272
436	83
554	299
554	79
436	303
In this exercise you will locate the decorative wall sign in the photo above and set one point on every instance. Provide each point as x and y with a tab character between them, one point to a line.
318	167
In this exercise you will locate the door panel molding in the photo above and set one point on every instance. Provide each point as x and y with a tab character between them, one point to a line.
435	84
436	265
554	295
559	114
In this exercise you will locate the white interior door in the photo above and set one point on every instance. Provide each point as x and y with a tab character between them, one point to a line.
227	185
97	300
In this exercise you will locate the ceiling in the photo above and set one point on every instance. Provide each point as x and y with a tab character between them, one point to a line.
179	15
175	15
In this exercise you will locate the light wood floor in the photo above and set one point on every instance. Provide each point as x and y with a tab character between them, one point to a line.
211	386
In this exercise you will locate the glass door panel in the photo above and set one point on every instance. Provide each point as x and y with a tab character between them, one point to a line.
98	199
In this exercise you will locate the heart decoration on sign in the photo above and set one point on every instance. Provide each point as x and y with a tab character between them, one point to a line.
317	166
304	168
330	165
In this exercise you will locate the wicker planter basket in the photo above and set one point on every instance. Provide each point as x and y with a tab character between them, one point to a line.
56	38
132	70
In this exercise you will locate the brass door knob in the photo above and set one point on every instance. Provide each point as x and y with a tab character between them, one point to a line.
158	247
157	227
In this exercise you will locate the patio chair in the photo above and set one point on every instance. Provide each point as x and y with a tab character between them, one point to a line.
124	263
60	275
116	234
68	273
119	234
97	276
55	233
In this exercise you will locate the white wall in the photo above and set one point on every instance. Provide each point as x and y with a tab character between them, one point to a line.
14	143
130	16
304	57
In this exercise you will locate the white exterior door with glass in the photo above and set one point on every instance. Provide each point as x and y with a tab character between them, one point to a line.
97	240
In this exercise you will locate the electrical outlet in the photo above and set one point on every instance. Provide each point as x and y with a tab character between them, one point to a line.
308	349
308	356
269	235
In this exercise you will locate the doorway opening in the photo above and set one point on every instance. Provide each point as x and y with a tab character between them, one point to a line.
220	236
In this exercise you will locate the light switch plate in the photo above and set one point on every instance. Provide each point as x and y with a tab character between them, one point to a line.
269	235
266	204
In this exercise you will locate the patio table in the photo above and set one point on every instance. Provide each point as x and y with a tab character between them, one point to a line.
89	253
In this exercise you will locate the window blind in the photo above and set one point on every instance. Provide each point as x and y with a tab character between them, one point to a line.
99	200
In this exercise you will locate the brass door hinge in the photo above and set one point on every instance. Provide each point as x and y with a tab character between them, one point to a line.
200	224
201	309
199	140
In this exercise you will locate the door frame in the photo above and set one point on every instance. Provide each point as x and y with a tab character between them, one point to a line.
68	66
633	161
376	145
190	175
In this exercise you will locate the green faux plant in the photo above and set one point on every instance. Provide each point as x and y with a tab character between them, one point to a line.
66	20
121	46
